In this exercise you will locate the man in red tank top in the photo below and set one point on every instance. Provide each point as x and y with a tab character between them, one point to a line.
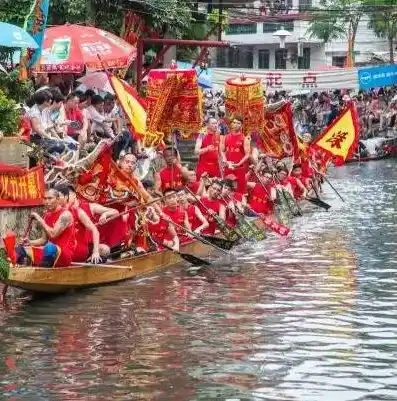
56	247
235	153
173	175
211	205
297	182
161	232
207	149
262	194
87	234
233	201
175	213
197	221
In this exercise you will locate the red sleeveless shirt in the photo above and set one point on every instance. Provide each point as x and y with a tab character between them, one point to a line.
178	217
66	240
171	177
213	205
259	199
234	147
210	158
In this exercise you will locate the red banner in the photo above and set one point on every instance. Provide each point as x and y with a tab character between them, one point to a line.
105	183
271	225
173	102
20	187
278	138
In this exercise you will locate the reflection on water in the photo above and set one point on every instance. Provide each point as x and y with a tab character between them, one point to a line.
312	317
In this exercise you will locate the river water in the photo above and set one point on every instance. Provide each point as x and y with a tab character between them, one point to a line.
309	318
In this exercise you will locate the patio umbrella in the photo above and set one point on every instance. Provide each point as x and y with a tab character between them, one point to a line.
14	36
73	48
204	76
97	80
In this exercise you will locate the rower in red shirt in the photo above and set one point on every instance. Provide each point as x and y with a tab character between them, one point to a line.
175	213
56	247
173	175
233	201
262	194
197	221
295	179
161	231
207	149
117	231
235	152
282	181
192	183
211	204
87	234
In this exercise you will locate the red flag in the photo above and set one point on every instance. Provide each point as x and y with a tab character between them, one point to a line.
278	138
105	182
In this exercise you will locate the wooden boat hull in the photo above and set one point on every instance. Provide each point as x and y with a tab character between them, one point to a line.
59	280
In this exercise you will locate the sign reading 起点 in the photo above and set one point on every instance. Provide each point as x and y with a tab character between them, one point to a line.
376	77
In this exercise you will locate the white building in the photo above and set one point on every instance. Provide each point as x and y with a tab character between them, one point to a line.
254	46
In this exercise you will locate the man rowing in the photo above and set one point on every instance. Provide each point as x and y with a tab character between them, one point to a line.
55	248
174	213
161	232
87	234
197	221
210	205
299	184
262	192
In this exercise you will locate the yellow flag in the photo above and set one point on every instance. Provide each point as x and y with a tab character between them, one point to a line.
340	139
131	103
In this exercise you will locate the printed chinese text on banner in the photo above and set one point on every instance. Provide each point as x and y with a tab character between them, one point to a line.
278	137
105	182
131	103
173	102
244	98
21	188
340	139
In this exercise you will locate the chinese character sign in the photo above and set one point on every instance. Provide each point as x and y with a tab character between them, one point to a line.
20	188
340	139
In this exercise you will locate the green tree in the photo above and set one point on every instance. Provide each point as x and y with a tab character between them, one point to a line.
336	19
383	21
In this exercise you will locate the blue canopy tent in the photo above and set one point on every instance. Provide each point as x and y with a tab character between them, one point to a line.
204	76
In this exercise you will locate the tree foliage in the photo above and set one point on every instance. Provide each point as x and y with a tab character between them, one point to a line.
171	17
336	19
383	21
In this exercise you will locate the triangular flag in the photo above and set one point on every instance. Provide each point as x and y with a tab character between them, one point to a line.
131	103
340	139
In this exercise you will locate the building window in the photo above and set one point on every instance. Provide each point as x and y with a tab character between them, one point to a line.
263	59
305	5
280	59
304	61
338	61
235	57
269	27
276	7
240	29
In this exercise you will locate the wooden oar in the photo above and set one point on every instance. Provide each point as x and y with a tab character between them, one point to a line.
250	230
318	202
229	232
195	235
193	260
328	182
89	264
131	209
219	242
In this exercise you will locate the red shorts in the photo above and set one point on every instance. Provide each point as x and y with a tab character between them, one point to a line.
81	253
